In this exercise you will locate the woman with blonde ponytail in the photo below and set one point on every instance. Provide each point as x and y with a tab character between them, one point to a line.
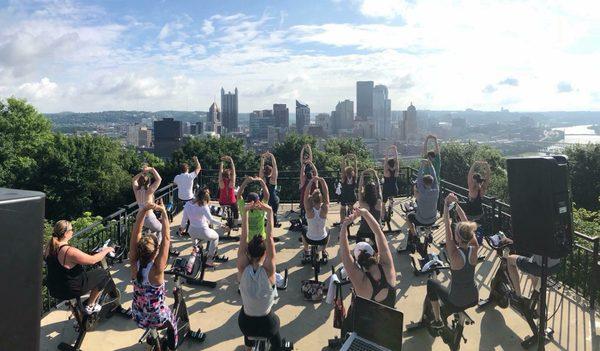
66	277
148	261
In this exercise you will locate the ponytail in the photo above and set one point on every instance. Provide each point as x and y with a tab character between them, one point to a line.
146	249
58	232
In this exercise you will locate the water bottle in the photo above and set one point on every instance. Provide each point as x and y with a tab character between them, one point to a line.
190	263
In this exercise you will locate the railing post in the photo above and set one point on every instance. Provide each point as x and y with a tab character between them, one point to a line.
595	274
493	225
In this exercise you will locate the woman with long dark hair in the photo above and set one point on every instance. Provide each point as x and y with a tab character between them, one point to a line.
391	170
369	198
227	178
348	174
269	173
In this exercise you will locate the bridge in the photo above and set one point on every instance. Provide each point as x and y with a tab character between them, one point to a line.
309	325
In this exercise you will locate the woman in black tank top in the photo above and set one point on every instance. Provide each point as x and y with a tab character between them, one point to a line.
66	278
369	197
461	247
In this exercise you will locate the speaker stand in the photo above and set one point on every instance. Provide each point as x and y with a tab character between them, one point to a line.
542	324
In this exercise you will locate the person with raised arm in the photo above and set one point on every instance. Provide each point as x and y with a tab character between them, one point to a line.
148	261
391	170
434	155
256	217
317	208
198	213
427	194
256	260
144	189
478	185
307	172
372	273
227	186
185	184
348	173
369	198
66	277
461	248
270	173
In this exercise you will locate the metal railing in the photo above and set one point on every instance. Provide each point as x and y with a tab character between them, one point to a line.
580	270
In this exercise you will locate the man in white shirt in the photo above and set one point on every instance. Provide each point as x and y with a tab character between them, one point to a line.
185	182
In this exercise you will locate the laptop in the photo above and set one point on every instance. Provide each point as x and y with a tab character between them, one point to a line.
376	327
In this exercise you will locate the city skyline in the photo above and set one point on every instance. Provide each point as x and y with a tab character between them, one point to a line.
168	55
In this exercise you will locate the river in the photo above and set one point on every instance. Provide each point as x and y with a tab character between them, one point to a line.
579	135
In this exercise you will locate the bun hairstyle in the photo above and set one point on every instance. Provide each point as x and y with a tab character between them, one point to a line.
58	232
348	172
268	170
147	247
202	196
365	256
478	178
256	247
391	162
428	180
316	197
465	231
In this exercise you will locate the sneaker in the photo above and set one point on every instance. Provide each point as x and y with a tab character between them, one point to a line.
437	324
92	309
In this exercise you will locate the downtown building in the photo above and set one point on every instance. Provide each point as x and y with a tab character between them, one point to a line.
302	116
168	136
213	119
229	112
409	124
343	117
364	100
382	112
282	116
260	122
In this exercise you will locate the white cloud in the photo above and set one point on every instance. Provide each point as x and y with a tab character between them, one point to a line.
207	27
43	89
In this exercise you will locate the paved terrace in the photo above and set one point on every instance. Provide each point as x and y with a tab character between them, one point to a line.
309	325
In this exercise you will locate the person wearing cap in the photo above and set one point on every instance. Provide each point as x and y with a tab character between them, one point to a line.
478	185
372	273
256	216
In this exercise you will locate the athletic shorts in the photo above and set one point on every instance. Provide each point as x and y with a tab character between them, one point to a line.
526	265
412	217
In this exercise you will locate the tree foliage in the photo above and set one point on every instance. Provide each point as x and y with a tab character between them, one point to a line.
584	163
457	159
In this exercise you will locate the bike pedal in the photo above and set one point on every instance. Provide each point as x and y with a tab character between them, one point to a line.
197	335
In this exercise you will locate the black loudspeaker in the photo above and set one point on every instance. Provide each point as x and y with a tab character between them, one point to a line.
22	226
540	201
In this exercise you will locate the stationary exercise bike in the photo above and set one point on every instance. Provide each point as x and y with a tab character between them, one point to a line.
158	340
192	269
502	292
110	300
262	344
389	213
227	215
451	333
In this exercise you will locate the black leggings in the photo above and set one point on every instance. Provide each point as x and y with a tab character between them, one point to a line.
265	326
274	203
94	279
436	291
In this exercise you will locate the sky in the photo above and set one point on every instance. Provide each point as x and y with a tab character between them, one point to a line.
84	56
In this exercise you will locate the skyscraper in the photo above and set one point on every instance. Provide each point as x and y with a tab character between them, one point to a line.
260	121
229	114
213	119
364	99
282	115
168	136
409	125
302	116
382	111
343	118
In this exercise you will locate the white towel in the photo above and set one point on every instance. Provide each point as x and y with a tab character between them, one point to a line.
332	288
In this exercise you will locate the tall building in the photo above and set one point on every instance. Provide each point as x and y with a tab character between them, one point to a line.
343	116
364	100
260	121
382	111
213	119
302	116
409	125
229	113
282	116
168	136
323	120
145	137
133	135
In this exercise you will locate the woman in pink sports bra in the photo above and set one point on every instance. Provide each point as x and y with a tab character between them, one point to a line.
227	186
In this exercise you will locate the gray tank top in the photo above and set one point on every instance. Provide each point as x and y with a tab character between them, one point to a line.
463	291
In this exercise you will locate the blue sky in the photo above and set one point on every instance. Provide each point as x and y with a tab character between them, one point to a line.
440	54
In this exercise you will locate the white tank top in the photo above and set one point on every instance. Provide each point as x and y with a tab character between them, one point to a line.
145	272
316	226
258	294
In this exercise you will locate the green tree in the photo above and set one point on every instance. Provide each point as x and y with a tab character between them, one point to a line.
457	159
24	134
584	162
